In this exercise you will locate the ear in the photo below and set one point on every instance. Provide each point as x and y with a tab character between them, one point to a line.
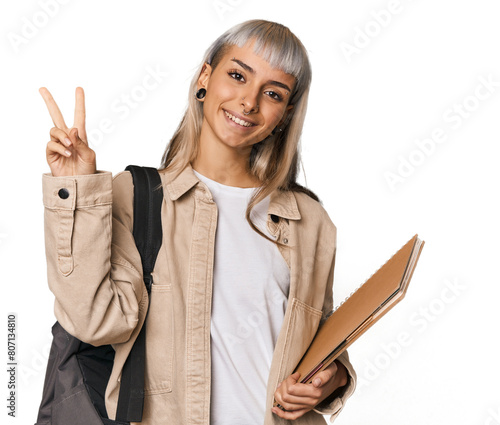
285	115
204	77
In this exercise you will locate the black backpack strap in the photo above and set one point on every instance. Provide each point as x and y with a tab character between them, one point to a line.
148	198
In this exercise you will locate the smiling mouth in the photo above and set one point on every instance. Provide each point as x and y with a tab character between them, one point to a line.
238	120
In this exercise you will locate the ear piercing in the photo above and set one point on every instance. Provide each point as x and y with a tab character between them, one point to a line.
200	94
276	130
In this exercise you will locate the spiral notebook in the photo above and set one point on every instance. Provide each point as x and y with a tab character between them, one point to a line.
357	313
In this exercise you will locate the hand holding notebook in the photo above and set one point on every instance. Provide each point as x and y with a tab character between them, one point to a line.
386	287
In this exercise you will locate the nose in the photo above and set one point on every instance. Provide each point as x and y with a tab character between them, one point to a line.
250	102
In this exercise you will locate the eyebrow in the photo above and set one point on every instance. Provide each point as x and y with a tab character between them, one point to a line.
252	71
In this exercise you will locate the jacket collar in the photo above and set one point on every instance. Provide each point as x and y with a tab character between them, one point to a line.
281	203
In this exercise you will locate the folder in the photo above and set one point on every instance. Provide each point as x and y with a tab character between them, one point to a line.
357	313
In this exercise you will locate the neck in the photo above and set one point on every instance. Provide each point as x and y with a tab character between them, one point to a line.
223	163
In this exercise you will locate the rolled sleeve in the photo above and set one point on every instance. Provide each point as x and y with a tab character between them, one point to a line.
334	404
61	196
70	192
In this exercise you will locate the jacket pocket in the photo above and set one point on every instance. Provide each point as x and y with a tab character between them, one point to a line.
159	341
303	324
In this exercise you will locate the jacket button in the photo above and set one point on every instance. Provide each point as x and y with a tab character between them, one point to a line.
275	218
285	240
63	193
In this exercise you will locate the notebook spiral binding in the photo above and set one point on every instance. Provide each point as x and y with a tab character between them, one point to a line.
350	295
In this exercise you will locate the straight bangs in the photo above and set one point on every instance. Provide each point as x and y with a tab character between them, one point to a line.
274	43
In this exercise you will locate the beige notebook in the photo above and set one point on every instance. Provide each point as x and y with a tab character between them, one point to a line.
361	310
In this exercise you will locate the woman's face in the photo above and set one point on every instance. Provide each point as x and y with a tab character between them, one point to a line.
243	81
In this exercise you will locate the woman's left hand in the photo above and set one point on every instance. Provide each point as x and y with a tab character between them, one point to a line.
299	398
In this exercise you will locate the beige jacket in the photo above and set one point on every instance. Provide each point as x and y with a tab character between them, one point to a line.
95	273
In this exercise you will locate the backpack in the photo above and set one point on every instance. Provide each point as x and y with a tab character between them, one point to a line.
77	373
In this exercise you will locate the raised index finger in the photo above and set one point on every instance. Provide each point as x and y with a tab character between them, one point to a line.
79	122
54	111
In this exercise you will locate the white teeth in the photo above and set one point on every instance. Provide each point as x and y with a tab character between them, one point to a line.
237	120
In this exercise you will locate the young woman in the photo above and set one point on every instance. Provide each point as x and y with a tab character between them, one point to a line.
245	272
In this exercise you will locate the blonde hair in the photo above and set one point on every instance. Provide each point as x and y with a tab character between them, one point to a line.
274	160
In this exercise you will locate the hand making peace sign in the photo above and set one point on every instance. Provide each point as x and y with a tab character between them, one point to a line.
68	152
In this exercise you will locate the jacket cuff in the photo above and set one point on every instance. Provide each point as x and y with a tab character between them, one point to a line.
71	192
334	406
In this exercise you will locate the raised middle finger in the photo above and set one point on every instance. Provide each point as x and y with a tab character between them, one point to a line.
54	111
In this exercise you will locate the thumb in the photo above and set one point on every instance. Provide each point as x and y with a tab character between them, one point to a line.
324	376
75	138
78	143
85	153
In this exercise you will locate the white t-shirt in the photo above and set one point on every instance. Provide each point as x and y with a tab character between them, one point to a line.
250	292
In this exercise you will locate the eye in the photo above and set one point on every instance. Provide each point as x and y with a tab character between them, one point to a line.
236	75
274	95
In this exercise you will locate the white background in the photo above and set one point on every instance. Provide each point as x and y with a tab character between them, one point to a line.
431	360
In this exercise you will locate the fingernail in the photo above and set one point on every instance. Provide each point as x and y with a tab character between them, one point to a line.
67	152
67	142
317	382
